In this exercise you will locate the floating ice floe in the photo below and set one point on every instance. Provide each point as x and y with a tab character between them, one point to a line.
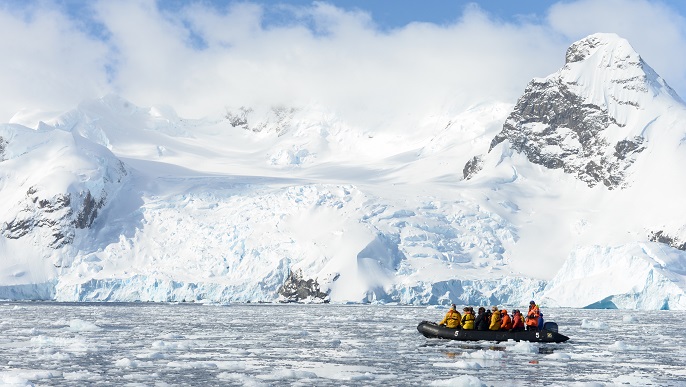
82	376
129	363
364	376
463	364
22	377
620	346
594	324
289	374
242	379
168	346
77	325
187	365
486	355
558	356
523	347
460	381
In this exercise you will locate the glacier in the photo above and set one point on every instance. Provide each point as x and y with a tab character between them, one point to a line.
497	204
631	276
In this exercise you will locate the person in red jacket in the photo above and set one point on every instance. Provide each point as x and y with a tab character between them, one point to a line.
517	322
532	317
506	323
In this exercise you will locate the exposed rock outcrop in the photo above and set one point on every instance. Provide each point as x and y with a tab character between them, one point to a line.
3	144
56	215
661	237
277	120
473	166
298	289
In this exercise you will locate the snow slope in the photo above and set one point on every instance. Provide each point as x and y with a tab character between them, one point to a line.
224	208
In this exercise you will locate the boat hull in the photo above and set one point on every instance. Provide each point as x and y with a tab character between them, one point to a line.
432	330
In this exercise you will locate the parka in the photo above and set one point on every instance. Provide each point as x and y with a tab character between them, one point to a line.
506	320
518	323
452	319
495	320
532	315
480	322
468	320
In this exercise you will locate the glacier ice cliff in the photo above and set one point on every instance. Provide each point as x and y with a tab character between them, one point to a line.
644	276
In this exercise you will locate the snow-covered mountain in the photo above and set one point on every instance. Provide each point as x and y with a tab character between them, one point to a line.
574	189
590	118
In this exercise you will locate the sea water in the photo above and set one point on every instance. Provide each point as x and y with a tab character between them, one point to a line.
141	344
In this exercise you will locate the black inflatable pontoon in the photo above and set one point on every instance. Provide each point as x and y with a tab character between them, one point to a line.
547	335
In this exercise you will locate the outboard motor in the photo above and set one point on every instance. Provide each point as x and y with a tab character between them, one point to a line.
550	326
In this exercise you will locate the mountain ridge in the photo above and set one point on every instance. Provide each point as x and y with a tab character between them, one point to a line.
214	210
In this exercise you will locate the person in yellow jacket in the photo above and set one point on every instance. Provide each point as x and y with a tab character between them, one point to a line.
495	319
452	318
467	318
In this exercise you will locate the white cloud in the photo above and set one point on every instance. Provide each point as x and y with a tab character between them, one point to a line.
343	63
47	63
201	59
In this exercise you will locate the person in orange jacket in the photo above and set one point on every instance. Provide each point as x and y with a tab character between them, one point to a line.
517	322
495	319
532	317
507	321
452	318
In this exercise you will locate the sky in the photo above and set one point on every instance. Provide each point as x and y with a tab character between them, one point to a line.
371	62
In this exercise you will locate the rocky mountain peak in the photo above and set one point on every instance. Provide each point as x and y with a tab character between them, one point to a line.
610	46
588	118
604	69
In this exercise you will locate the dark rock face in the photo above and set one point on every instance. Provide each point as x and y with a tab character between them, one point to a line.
56	215
3	145
88	211
625	148
473	166
239	119
296	288
661	237
553	127
48	214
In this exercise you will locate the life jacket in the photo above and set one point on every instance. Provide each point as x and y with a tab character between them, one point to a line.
518	323
507	321
532	316
468	321
452	319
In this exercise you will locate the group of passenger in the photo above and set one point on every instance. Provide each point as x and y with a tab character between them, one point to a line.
494	319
